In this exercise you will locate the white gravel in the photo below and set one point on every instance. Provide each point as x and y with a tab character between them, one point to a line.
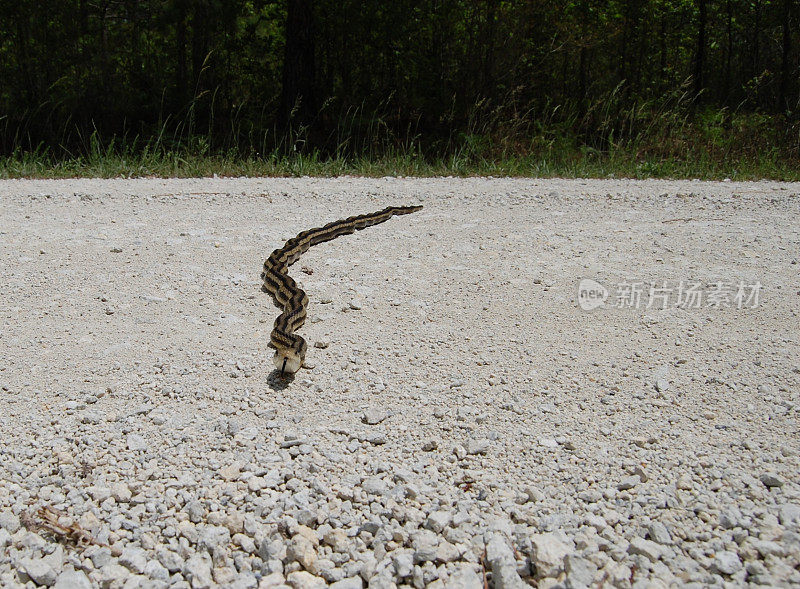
464	418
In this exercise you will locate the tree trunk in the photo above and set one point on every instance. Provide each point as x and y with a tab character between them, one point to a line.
726	83
662	57
298	99
582	74
199	44
756	49
700	55
180	42
489	40
786	50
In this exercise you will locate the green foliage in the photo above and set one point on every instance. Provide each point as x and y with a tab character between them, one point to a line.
496	86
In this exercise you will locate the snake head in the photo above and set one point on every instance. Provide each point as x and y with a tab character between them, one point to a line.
287	360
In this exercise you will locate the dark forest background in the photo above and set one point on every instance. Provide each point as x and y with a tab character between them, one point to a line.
486	78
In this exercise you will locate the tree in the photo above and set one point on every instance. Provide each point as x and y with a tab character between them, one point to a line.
298	96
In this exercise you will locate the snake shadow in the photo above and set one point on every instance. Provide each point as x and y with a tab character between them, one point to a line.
277	382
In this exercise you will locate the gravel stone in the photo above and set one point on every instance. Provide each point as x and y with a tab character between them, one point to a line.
477	446
136	443
771	480
155	570
9	522
197	570
464	577
210	537
789	514
547	554
73	580
628	483
726	563
5	539
646	548
403	564
195	511
375	486
374	416
348	583
133	559
658	532
305	580
580	571
438	521
336	539
172	561
40	570
113	575
300	549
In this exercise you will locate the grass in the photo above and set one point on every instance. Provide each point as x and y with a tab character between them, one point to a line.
561	162
666	139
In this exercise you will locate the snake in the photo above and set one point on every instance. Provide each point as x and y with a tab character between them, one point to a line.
290	348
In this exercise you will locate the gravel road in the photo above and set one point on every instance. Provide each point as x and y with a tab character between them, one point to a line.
465	418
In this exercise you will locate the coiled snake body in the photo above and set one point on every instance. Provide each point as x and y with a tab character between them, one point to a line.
290	348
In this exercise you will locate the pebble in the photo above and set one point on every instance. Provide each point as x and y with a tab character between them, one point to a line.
73	580
134	559
375	486
771	480
121	493
658	532
788	514
39	570
477	446
348	583
172	561
136	443
726	563
766	547
438	521
9	522
197	571
210	537
305	580
464	577
430	445
195	511
628	483
302	550
403	564
505	576
5	538
230	472
590	496
155	570
374	416
646	548
113	575
548	554
580	571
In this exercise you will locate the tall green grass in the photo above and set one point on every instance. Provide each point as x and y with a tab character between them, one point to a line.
671	137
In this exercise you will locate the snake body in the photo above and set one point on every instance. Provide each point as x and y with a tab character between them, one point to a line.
290	348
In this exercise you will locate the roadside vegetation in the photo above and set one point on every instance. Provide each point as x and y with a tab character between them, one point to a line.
645	88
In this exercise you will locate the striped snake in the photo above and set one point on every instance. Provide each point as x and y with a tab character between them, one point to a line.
290	348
